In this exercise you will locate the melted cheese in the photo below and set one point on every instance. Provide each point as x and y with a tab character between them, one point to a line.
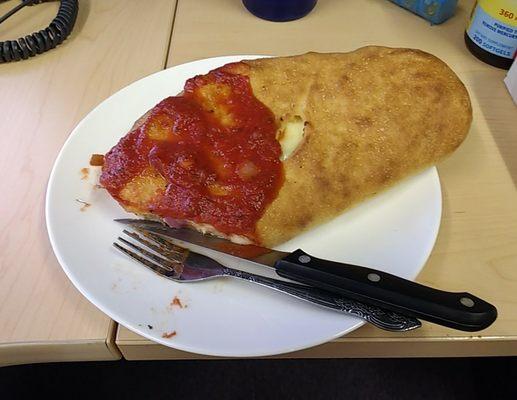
212	97
160	127
143	188
209	229
290	134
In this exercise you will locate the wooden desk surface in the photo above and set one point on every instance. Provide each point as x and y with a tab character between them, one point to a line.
477	244
42	316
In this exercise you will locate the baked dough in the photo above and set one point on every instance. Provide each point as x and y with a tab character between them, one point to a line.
350	125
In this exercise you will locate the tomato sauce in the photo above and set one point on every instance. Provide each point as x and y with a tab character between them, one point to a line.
216	147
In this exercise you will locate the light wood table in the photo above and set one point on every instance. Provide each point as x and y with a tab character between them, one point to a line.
477	244
42	316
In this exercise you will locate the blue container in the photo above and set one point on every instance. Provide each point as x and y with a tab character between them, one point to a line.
435	11
279	10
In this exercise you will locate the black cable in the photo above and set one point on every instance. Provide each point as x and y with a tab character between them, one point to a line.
44	40
15	10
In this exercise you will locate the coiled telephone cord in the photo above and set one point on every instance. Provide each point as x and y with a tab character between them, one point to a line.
44	40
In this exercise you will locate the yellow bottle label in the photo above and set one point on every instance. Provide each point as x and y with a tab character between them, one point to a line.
493	26
502	10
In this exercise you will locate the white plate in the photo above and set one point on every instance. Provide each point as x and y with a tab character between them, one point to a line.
394	232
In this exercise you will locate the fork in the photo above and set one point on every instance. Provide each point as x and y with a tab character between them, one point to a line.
179	264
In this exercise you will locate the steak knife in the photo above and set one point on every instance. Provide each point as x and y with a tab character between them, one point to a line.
462	311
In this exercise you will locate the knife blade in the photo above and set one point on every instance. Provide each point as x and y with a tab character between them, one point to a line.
462	311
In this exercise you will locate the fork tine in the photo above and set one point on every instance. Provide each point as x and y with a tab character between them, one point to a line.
169	273
162	241
171	254
162	262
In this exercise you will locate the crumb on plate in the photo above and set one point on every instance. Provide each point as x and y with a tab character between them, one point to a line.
168	335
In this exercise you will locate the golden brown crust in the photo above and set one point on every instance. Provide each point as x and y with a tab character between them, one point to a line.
373	117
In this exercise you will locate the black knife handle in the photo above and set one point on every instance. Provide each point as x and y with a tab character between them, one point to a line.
461	311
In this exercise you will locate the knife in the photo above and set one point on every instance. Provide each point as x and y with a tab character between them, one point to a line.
462	311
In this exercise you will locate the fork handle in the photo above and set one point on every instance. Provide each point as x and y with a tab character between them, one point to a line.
383	319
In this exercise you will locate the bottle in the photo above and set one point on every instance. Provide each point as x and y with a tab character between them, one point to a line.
279	10
491	34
